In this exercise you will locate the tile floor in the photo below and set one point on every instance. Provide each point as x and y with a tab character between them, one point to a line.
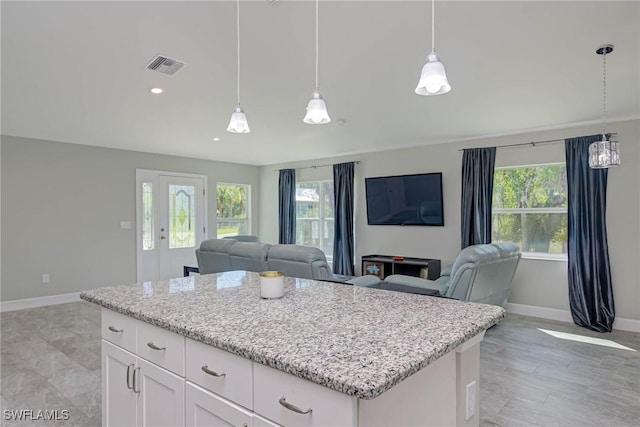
50	359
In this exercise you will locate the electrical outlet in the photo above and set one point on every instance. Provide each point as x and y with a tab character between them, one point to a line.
471	399
45	278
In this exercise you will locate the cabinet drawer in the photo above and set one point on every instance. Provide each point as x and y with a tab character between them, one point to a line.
235	380
119	329
328	407
162	347
204	409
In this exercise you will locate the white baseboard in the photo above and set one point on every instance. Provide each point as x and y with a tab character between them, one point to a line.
620	324
21	304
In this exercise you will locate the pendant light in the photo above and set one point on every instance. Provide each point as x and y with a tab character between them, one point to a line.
604	153
238	122
433	80
317	109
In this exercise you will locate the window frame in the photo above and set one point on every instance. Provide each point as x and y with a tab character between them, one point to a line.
532	255
246	220
322	220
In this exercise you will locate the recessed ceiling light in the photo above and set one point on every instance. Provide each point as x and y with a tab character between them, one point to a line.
156	90
215	138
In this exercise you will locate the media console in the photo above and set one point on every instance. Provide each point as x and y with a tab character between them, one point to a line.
386	265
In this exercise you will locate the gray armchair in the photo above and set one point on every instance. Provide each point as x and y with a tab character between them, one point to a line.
299	261
480	273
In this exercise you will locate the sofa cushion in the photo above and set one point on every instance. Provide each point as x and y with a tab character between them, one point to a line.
416	282
213	256
249	256
305	262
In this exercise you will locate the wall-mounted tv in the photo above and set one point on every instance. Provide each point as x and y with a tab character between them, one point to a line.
405	200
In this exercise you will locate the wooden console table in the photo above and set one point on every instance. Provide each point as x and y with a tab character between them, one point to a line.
386	265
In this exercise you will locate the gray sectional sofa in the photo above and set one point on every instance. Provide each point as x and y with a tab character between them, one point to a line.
218	255
480	273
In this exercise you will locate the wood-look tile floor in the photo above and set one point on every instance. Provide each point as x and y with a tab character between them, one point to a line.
50	359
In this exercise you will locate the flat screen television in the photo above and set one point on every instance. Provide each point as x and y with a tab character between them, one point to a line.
405	200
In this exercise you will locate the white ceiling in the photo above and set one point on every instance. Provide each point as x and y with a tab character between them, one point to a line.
75	72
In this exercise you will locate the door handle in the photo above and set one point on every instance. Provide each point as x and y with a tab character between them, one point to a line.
162	237
130	387
135	381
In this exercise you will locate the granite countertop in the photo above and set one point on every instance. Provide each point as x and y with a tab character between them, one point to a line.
354	340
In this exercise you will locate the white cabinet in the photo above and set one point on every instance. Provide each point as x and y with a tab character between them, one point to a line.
205	409
136	392
161	396
119	401
292	401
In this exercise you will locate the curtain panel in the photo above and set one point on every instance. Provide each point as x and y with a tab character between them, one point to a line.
477	192
590	289
287	206
343	244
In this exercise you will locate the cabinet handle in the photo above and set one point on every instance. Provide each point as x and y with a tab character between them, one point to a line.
293	408
130	387
135	380
206	369
155	347
117	331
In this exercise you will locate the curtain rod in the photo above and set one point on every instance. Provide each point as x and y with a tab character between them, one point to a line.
357	162
534	143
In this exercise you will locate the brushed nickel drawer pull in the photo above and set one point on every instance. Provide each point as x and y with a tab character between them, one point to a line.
206	370
155	347
293	408
117	331
130	387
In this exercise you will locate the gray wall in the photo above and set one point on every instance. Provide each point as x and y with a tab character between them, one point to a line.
61	210
541	283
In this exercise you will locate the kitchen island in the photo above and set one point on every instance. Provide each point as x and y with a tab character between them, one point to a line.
324	354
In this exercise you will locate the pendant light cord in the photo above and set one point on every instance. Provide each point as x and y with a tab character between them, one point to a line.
317	1
433	25
238	38
604	90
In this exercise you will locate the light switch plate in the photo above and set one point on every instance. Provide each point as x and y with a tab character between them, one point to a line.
125	225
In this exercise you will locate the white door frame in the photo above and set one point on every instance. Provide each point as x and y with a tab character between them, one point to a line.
153	176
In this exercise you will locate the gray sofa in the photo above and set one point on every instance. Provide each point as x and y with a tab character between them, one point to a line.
218	255
480	273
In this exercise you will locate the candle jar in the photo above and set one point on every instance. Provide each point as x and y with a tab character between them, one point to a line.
271	284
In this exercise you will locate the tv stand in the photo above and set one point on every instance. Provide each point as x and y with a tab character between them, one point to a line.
386	265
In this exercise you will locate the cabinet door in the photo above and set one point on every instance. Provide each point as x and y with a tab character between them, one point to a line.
161	396
205	409
118	400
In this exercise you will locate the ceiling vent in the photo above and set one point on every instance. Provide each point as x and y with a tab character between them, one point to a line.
165	65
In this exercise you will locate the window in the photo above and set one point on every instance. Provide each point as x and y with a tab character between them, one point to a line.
233	207
530	209
314	215
148	238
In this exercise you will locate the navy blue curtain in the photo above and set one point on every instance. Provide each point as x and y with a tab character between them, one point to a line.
343	211
590	291
287	206
477	192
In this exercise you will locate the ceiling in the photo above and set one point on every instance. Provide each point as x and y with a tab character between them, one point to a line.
75	72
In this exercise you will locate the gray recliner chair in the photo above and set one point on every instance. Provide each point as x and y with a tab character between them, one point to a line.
213	256
299	261
480	273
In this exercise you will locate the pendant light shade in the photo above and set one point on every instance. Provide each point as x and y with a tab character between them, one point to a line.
433	79
604	153
238	122
316	111
316	108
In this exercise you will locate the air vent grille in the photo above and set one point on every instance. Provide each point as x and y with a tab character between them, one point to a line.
165	65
